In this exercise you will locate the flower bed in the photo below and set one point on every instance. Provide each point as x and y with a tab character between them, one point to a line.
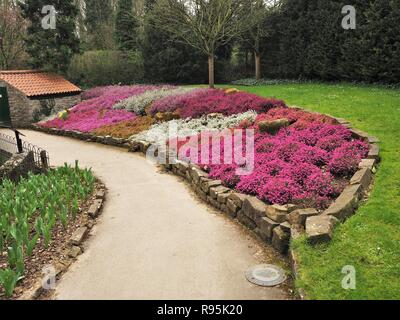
308	163
94	113
34	212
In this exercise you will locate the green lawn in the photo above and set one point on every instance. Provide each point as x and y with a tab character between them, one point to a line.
370	240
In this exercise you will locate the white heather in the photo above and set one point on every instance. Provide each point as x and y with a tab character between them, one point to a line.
158	133
139	103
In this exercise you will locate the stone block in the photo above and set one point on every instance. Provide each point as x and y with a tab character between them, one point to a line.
296	232
254	209
94	209
245	220
182	166
274	126
79	236
100	195
319	229
265	228
238	198
223	207
374	152
358	134
74	252
232	208
206	185
213	202
367	163
215	191
372	139
363	177
144	145
299	217
345	205
286	227
279	213
223	197
197	174
200	193
280	240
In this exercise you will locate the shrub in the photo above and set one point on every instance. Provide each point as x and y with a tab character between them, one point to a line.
96	68
100	91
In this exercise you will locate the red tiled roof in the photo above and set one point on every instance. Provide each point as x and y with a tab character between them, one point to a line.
38	83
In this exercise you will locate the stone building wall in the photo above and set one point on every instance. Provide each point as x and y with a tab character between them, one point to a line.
25	111
46	106
18	106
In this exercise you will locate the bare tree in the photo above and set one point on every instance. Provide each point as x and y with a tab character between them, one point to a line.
205	24
12	28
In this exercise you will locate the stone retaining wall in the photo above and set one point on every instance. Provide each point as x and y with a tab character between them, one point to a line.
19	165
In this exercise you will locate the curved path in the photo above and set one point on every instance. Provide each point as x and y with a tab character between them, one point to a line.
154	239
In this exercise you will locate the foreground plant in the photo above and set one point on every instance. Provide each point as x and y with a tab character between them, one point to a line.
32	209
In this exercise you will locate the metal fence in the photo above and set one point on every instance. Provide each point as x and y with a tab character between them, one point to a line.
10	145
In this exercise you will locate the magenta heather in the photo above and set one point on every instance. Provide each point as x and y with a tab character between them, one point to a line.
205	101
305	164
97	112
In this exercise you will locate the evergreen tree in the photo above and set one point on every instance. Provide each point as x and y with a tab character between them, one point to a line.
51	48
310	41
126	26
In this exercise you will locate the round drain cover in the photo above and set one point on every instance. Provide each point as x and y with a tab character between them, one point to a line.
266	275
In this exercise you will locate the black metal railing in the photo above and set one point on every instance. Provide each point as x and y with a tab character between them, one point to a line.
10	145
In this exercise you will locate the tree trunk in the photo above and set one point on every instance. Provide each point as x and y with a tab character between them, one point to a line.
246	61
211	79
258	65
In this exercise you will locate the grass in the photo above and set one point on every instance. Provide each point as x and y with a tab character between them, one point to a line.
370	240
